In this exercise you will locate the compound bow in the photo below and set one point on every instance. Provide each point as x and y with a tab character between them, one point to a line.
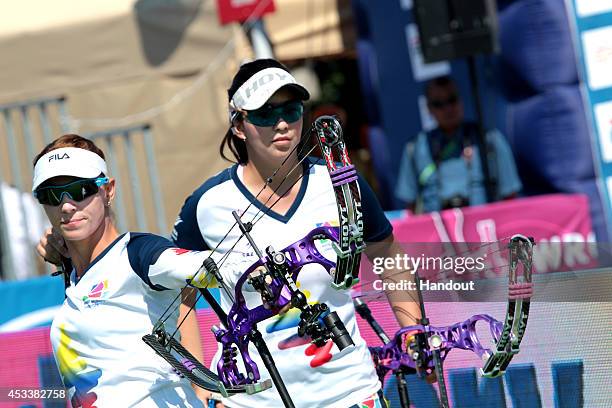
415	347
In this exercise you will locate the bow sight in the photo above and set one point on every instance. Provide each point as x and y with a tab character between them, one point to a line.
277	289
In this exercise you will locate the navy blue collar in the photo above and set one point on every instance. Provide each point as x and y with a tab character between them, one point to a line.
97	258
294	206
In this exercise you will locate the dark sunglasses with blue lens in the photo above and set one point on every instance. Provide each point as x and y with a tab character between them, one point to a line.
269	114
77	190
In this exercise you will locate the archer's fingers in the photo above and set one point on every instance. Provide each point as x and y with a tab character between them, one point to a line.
51	247
52	257
58	242
429	378
203	395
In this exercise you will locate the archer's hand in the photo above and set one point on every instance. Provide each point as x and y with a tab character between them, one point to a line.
429	378
51	247
208	398
261	270
205	396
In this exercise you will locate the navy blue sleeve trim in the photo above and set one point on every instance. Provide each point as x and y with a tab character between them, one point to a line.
186	233
313	160
143	251
376	226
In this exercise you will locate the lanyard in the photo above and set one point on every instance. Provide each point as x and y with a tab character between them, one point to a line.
441	153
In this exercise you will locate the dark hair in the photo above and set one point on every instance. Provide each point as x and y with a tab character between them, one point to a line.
441	82
236	145
70	140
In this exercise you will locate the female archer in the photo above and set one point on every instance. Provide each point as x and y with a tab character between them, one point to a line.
120	285
266	115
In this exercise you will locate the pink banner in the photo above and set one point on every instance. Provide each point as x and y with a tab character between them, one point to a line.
543	217
559	223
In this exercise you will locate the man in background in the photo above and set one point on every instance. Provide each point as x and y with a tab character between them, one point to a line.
441	169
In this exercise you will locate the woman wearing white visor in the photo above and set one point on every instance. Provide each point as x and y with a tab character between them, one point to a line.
119	286
266	122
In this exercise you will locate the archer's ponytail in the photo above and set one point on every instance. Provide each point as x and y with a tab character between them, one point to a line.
236	145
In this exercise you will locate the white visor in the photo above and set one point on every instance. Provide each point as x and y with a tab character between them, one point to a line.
68	161
261	86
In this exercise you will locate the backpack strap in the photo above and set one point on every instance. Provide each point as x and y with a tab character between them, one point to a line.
470	133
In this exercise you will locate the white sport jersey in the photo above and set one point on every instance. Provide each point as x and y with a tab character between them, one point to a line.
315	377
97	334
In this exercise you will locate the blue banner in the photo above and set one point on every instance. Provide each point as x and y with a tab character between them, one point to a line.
593	42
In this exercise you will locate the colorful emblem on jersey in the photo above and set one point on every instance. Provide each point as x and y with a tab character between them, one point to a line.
97	294
73	370
333	223
321	355
180	251
287	321
372	402
291	319
327	242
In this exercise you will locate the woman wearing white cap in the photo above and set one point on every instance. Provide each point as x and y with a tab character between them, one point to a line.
266	110
119	287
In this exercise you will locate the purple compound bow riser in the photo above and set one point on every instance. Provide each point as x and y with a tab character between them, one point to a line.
241	319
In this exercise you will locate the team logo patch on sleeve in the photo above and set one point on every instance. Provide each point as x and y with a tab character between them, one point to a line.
180	251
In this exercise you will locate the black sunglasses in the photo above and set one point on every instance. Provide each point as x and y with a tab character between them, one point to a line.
439	104
269	114
77	191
